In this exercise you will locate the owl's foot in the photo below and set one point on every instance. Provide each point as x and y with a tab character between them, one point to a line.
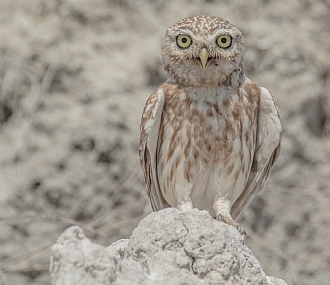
229	221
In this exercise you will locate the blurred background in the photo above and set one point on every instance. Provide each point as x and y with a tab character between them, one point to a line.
74	76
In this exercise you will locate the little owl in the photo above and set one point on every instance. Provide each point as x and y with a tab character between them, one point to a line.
209	135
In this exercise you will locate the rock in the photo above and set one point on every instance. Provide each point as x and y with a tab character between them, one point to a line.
167	246
76	260
118	248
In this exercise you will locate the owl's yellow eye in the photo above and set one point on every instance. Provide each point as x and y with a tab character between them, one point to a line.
183	41
224	41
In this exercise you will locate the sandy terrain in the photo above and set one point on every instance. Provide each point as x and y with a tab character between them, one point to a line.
74	76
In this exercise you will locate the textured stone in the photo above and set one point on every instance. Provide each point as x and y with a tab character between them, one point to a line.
167	246
76	260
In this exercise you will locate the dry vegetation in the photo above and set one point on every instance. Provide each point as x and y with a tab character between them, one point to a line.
74	76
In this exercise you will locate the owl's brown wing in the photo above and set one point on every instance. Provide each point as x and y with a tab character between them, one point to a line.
149	135
268	145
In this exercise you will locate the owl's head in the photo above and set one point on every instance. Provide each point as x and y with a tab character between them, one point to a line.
203	51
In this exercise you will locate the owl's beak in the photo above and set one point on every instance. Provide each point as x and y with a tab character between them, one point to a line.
204	55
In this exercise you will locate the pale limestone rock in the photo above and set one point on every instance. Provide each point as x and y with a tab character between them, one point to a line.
167	247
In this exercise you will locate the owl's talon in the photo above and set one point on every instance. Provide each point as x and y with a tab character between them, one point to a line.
229	221
219	217
241	230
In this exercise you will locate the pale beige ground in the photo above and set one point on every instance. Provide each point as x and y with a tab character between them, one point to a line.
74	76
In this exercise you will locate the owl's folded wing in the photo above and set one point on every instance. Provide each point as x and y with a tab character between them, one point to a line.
149	135
268	145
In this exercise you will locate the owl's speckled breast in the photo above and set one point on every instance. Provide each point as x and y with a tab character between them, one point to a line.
209	138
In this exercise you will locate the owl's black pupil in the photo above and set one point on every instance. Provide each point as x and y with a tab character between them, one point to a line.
223	40
184	40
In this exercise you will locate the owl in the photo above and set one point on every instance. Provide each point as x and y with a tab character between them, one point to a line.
209	135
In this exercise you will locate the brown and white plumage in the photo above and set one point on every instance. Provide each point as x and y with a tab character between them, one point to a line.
209	136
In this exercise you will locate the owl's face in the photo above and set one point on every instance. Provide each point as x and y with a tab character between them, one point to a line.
202	51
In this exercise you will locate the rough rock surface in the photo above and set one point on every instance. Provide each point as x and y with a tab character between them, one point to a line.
183	247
